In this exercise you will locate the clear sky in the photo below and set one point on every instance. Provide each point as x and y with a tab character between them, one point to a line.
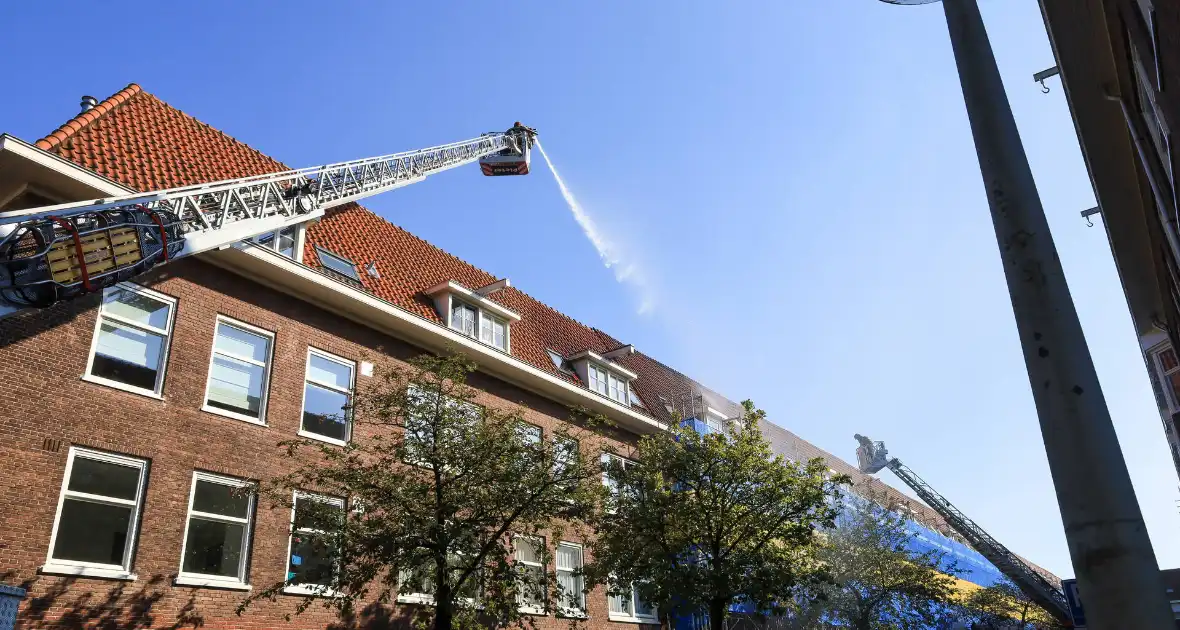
791	186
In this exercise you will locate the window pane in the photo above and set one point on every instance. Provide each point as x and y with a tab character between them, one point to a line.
236	386
329	372
104	478
620	604
286	244
337	264
526	550
127	355
499	338
267	239
213	548
1168	359
316	514
136	307
485	329
219	498
642	608
529	433
310	561
241	343
92	532
323	412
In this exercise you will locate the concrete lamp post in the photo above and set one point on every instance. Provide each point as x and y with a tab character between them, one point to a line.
1116	569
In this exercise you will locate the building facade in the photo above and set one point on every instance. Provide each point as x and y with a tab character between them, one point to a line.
130	415
1119	62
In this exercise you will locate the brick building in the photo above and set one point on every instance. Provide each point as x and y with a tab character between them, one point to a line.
1120	66
129	415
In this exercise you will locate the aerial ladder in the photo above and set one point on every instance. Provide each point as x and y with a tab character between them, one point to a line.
61	252
872	457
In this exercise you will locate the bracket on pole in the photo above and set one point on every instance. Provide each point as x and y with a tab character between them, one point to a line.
1045	74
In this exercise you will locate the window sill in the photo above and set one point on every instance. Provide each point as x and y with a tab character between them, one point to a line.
314	591
424	600
123	387
625	619
229	414
53	568
321	438
572	614
206	582
532	611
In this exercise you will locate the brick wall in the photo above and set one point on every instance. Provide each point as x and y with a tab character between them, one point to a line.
44	401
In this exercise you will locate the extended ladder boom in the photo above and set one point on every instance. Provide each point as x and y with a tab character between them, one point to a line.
59	252
872	457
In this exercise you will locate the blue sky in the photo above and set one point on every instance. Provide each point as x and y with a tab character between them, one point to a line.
792	186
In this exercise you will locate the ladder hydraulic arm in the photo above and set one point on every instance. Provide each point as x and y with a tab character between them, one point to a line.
872	457
60	252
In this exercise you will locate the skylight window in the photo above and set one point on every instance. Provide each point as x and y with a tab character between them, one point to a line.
339	264
558	360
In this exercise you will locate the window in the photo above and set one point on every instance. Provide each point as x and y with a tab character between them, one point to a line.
416	585
338	264
130	345
97	514
569	579
531	597
608	479
419	427
239	371
597	378
463	318
217	533
493	331
558	361
634	397
629	607
1169	368
281	241
310	566
618	389
326	394
530	434
480	324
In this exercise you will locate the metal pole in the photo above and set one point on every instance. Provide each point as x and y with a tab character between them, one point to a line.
1112	557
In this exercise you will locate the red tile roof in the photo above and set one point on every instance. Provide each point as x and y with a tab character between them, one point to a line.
142	142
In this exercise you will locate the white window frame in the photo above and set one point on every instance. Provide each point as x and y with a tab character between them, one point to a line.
274	243
563	611
312	351
474	334
1165	383
480	315
633	617
323	254
596	378
427	599
485	316
97	569
266	368
538	544
157	391
317	590
241	582
605	459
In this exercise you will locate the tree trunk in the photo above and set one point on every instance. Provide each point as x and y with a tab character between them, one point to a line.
444	608
717	614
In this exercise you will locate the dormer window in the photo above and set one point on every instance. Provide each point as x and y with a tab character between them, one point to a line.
281	241
472	314
604	377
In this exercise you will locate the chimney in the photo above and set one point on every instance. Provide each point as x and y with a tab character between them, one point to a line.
88	103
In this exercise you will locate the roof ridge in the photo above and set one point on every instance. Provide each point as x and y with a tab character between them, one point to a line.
86	118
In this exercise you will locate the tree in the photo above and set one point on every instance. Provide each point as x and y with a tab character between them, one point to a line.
440	492
1003	606
879	583
701	522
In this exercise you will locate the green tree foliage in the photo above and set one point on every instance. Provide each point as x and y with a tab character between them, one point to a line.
878	584
438	489
1003	606
701	522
